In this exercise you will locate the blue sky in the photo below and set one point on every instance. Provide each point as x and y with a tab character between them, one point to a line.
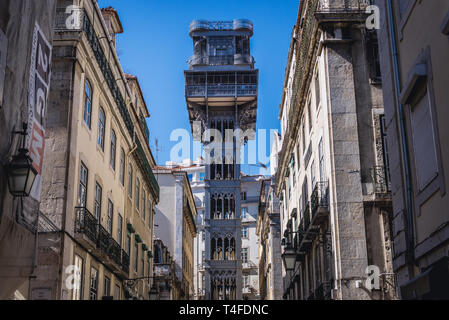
155	46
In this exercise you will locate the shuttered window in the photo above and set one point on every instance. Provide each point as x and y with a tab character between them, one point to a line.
426	165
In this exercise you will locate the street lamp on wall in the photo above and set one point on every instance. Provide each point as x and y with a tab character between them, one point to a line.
289	258
20	171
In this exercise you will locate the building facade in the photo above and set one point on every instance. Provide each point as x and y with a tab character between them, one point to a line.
98	190
196	172
332	176
413	42
22	74
250	193
221	94
269	244
175	225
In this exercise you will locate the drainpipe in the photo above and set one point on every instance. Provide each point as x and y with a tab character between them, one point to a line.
410	231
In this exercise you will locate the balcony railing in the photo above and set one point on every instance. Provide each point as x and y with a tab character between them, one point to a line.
223	90
381	181
237	24
221	60
115	252
125	262
86	223
103	239
212	60
103	244
319	197
331	6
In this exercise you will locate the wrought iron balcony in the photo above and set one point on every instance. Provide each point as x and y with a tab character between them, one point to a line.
115	252
319	197
381	181
104	239
146	131
86	224
125	262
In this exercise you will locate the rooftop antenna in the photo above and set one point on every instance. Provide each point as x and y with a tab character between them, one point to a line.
158	148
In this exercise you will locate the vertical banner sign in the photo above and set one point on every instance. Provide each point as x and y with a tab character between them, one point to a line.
38	89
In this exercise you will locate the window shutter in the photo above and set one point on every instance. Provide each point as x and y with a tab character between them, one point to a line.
3	52
423	142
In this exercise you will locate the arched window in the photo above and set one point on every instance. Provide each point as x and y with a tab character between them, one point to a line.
101	128
113	149
213	249
87	112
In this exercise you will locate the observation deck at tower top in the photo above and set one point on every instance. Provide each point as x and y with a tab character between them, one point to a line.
236	25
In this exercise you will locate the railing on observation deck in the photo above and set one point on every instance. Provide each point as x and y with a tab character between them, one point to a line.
223	90
336	6
204	25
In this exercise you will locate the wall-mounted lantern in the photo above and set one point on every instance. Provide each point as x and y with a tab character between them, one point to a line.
20	171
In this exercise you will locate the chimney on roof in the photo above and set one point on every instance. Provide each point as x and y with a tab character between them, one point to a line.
113	23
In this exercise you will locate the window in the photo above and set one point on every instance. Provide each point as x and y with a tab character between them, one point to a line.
203	257
426	165
244	211
244	255
119	229
386	159
317	88
245	281
321	159
190	176
87	113
97	205
137	197
310	273
243	195
130	181
3	55
312	173
202	176
317	266
101	128
150	213
107	287
113	149
122	166
82	193
309	115
128	243
144	203
117	294
110	216
142	260
303	137
78	279
93	291
245	232
136	256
